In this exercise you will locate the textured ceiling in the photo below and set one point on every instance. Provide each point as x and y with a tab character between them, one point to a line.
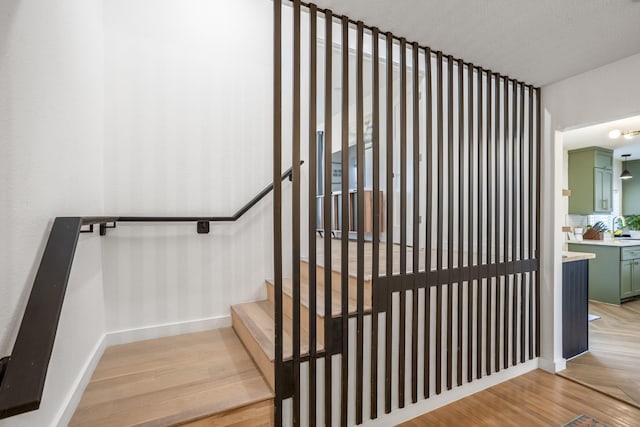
537	41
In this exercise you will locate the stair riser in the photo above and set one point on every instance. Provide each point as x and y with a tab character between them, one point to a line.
336	281
254	349
287	307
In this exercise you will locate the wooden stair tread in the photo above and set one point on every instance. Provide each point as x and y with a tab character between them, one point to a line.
336	310
258	318
336	268
172	380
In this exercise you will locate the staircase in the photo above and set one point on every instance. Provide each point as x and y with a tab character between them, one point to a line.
254	321
198	379
219	377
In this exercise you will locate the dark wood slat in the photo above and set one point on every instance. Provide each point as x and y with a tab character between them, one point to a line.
480	247
522	226
277	204
389	245
327	204
461	210
471	210
429	219
344	227
416	222
450	239
498	167
476	272
438	371
313	209
514	230
490	185
360	226
530	190
403	221
537	232
375	268
295	217
507	219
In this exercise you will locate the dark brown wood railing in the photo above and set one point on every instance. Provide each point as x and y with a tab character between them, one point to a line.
456	148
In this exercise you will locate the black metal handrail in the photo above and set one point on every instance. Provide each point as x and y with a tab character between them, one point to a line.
23	373
244	209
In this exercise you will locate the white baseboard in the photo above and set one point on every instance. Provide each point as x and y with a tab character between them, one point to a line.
398	416
166	330
553	366
68	408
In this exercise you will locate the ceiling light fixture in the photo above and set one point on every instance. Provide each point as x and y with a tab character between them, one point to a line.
625	173
627	134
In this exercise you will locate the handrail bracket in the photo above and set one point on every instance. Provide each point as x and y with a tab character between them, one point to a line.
104	226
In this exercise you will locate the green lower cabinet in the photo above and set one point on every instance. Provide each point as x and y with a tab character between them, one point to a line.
630	278
626	278
612	277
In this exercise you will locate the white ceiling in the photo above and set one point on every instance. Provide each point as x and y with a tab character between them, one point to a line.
536	41
598	136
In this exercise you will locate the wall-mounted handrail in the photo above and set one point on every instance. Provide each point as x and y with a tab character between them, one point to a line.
26	368
23	373
251	203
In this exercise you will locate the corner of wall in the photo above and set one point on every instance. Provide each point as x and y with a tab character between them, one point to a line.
68	407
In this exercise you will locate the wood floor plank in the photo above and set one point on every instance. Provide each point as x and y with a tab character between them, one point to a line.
534	399
170	381
611	365
257	415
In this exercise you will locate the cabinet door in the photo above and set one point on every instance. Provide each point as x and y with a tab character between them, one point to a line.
603	159
626	278
603	180
635	277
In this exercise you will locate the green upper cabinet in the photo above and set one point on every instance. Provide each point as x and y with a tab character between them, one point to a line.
603	185
590	181
631	189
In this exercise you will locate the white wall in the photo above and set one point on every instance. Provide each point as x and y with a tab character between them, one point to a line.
606	93
188	131
51	135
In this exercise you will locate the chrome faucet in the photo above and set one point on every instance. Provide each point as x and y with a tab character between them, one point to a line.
613	223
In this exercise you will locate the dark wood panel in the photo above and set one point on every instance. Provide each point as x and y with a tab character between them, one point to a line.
575	308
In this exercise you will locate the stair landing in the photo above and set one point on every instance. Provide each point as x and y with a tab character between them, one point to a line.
204	378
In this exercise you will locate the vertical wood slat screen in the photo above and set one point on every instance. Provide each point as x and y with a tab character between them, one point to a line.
455	166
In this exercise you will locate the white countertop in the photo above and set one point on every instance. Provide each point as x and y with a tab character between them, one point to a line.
616	243
576	256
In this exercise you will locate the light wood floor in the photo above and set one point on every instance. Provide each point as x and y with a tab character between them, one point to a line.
534	399
175	380
613	362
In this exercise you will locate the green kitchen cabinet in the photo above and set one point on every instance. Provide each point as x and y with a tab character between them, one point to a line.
590	181
630	278
626	278
603	179
614	275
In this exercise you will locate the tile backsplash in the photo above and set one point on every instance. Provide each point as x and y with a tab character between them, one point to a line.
584	220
